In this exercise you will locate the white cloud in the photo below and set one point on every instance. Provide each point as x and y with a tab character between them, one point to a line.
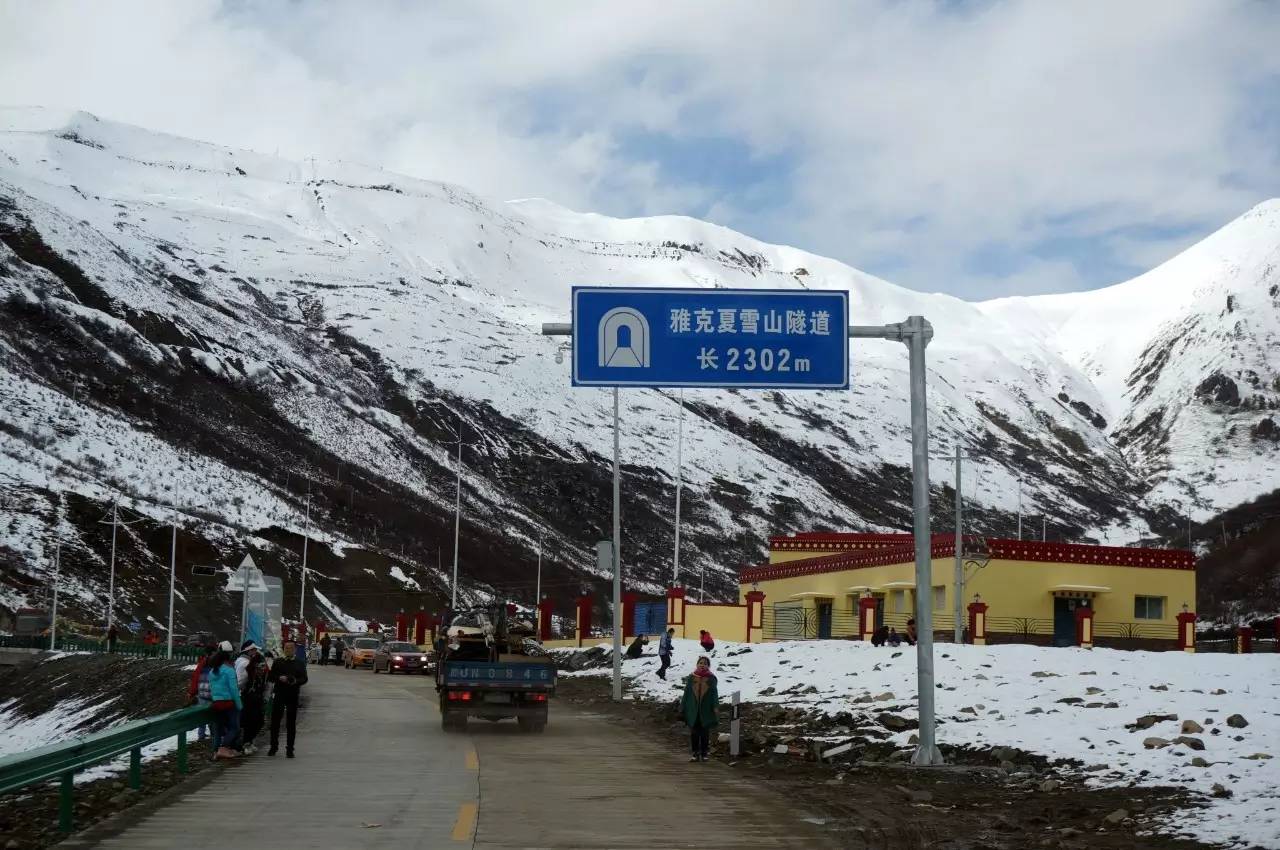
914	133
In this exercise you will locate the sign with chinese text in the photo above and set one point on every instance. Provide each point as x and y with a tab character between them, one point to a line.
652	337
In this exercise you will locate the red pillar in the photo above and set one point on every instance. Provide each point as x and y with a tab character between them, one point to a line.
420	627
402	625
978	623
866	616
629	613
1084	626
1244	639
584	619
1187	631
755	616
545	607
322	629
675	610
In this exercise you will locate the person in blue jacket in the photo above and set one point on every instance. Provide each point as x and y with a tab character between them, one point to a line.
224	690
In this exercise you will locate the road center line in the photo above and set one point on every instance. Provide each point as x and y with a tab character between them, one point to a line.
466	822
473	760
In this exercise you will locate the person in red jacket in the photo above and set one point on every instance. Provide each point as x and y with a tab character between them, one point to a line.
704	638
196	694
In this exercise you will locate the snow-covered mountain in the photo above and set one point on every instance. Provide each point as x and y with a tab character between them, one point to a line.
217	333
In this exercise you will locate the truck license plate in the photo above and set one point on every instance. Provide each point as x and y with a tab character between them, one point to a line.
497	697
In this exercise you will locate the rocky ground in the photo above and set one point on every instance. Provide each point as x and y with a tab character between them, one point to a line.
994	798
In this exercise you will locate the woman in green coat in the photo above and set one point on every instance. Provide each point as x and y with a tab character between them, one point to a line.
698	706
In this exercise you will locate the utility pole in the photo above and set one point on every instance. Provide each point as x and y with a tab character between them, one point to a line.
57	580
1019	507
457	518
173	578
675	564
537	593
111	588
958	580
1044	529
306	537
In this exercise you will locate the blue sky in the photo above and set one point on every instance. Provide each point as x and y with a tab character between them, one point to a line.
979	148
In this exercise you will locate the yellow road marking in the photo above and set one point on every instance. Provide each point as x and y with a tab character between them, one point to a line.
466	822
473	760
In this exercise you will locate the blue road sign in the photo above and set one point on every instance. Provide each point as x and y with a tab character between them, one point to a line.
652	337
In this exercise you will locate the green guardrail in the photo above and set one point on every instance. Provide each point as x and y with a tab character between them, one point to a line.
133	650
61	761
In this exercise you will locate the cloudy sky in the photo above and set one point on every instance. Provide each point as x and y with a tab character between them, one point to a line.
980	147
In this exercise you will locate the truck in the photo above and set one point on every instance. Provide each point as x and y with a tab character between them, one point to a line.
488	668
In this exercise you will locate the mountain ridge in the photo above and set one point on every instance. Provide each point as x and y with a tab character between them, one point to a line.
362	315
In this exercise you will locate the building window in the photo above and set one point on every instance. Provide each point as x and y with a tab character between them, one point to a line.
1148	607
939	598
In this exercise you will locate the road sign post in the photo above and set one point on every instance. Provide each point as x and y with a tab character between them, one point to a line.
733	338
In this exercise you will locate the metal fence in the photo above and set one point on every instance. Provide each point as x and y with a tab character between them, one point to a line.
73	644
62	761
794	622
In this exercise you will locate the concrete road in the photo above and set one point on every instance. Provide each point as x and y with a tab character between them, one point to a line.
375	770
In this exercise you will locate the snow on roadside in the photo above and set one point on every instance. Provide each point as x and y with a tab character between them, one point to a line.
1016	695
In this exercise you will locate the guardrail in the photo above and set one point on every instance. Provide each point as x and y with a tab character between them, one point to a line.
133	650
62	761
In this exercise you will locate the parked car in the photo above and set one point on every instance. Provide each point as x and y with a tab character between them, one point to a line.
401	656
359	651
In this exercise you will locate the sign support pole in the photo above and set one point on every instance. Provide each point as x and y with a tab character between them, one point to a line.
617	557
675	563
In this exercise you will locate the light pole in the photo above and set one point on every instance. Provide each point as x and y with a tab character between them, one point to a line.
57	580
111	586
457	517
173	577
1019	507
302	593
958	579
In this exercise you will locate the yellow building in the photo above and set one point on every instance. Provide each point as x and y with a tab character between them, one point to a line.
816	584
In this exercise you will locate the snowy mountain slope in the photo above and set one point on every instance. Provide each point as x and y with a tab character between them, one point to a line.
282	327
1184	360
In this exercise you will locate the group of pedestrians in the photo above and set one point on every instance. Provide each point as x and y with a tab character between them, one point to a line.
325	646
888	635
701	699
236	690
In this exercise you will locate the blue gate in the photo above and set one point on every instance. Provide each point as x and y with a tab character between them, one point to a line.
651	618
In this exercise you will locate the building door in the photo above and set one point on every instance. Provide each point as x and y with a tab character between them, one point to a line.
824	620
879	610
1064	622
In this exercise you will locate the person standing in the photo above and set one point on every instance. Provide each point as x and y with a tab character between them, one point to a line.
664	653
198	688
288	675
226	703
252	677
113	635
699	704
324	650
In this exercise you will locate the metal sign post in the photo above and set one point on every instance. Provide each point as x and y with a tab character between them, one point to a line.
606	558
735	724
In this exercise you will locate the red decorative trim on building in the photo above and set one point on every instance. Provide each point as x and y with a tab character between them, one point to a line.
885	549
